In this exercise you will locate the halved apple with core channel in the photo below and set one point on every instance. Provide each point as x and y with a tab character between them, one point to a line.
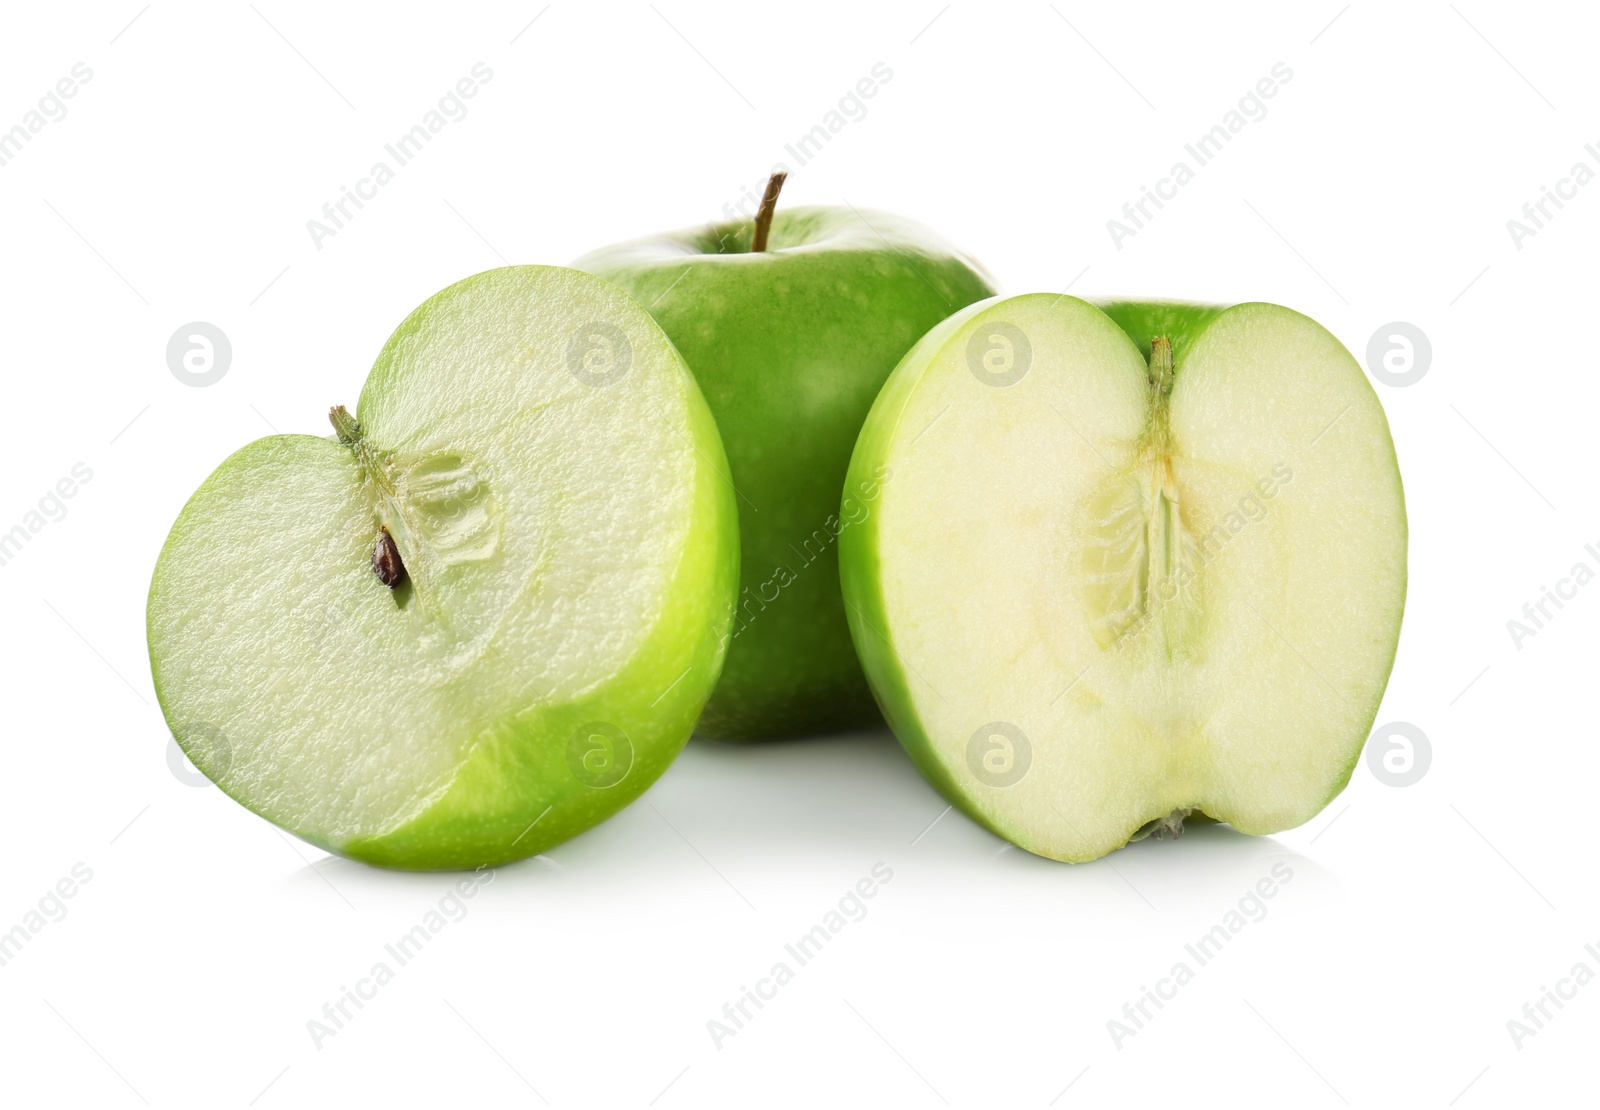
1138	563
485	613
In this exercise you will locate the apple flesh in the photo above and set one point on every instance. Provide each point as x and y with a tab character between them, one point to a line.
790	345
1138	563
485	614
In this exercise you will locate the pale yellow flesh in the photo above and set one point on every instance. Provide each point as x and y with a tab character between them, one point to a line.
541	518
1027	530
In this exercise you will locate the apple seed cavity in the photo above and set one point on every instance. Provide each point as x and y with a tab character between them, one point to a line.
386	561
1136	556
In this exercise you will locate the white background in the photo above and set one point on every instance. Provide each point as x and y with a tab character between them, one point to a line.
1377	189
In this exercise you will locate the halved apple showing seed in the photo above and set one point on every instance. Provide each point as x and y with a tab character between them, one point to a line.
1131	564
484	614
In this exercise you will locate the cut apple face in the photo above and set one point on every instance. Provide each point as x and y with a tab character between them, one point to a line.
485	613
1136	564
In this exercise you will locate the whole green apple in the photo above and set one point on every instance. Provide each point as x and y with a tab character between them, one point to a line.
486	613
791	323
1104	595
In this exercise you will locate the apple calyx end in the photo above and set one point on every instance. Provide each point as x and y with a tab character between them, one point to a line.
1169	827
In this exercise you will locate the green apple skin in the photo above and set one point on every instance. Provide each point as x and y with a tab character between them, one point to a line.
790	346
863	572
515	793
504	786
484	817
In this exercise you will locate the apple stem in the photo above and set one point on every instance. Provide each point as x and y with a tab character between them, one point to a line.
769	204
345	424
1161	365
386	561
1160	436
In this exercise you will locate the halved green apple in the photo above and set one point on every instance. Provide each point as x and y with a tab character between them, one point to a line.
481	617
1137	563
